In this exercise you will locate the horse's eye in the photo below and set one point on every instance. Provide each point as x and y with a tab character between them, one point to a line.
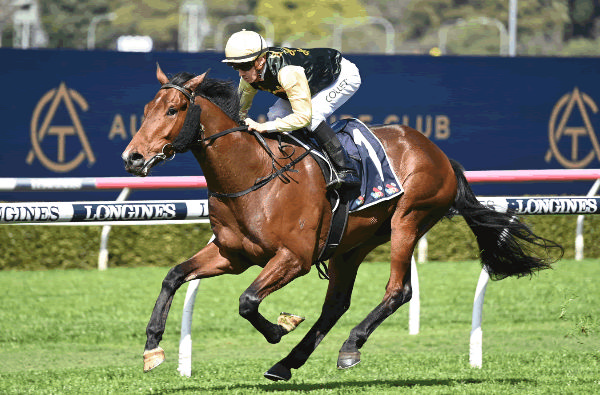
171	111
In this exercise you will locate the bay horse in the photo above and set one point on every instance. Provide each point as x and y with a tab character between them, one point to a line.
281	225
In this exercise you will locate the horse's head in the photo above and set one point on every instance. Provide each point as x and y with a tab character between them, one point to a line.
163	119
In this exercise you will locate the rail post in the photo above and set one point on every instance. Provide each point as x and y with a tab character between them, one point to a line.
103	254
579	229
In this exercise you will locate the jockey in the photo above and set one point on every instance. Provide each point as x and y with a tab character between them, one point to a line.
310	83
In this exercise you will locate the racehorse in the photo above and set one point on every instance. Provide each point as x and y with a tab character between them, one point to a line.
268	207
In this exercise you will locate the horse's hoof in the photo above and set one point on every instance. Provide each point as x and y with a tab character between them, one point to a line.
153	358
348	359
289	322
278	372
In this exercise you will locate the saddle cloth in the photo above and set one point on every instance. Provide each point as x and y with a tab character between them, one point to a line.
378	180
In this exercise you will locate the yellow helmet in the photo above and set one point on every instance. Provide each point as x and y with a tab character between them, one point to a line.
244	46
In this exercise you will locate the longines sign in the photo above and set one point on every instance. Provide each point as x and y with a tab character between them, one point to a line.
70	113
40	212
544	205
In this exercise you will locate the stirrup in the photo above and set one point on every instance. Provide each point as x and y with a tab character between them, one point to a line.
336	183
346	177
349	177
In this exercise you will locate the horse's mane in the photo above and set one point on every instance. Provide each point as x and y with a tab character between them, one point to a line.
221	92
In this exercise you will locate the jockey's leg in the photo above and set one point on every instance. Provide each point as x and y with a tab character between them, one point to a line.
325	103
332	145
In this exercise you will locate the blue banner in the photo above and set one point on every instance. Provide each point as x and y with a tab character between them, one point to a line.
72	113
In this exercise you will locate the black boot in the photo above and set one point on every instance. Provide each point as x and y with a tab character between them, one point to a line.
331	144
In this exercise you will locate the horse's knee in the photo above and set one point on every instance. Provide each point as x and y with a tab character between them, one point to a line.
249	302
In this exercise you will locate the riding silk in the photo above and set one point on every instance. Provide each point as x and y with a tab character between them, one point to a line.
379	182
321	66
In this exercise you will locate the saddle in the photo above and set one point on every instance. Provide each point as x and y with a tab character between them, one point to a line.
370	161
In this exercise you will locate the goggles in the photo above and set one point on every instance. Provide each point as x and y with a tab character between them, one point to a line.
242	66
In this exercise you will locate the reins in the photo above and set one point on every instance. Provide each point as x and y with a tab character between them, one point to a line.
210	139
265	180
277	172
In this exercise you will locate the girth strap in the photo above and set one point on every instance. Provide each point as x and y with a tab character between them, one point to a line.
339	221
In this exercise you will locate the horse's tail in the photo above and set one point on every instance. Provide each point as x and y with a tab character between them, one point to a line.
507	246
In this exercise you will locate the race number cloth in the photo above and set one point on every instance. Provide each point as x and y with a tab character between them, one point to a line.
378	180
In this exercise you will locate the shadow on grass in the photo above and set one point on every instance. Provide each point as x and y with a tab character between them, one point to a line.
346	386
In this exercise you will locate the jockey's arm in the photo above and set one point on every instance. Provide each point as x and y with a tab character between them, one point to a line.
246	92
293	80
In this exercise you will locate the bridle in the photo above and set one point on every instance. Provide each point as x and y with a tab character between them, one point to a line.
163	156
192	117
183	89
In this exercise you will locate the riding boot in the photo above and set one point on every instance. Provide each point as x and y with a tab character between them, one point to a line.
333	147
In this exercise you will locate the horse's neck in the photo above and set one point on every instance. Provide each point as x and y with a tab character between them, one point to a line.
233	162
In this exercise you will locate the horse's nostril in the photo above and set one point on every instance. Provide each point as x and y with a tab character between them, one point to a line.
134	160
135	157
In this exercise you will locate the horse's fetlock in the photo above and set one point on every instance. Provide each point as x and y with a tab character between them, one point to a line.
358	337
349	346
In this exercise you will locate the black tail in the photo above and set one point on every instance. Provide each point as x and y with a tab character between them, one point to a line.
507	246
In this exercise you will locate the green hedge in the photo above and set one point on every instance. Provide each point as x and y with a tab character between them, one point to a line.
26	247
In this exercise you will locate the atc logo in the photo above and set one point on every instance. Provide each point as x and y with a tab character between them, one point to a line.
572	138
43	127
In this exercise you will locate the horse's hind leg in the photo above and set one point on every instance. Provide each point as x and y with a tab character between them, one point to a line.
407	227
342	273
206	263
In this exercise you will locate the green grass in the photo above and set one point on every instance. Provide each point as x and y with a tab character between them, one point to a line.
83	332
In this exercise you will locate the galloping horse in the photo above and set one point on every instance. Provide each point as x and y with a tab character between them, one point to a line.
281	223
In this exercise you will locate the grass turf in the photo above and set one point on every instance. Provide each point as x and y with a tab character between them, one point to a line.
78	331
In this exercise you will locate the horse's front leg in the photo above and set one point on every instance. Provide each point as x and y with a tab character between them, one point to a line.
342	274
208	262
279	271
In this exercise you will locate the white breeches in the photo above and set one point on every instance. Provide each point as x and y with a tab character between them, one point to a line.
325	102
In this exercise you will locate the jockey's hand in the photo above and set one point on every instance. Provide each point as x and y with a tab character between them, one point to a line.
252	125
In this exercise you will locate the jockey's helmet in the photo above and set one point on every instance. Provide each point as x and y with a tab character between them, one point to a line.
244	46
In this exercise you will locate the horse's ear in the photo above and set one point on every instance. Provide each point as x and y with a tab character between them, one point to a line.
194	82
160	76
